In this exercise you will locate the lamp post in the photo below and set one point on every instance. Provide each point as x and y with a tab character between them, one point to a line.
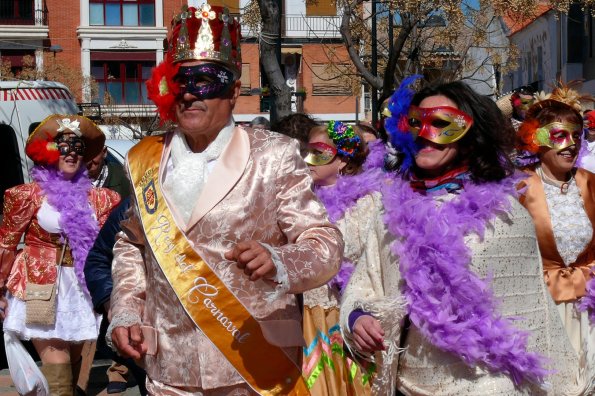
56	48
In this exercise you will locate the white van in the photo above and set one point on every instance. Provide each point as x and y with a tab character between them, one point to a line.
23	104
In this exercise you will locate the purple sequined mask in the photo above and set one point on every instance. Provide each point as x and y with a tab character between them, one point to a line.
205	81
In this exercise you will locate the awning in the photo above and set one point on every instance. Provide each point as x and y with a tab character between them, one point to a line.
291	50
123	56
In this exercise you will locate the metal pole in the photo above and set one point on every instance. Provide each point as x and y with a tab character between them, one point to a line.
374	64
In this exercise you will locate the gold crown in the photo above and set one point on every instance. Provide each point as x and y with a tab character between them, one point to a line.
208	33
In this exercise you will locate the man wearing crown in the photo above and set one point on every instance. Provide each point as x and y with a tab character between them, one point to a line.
224	231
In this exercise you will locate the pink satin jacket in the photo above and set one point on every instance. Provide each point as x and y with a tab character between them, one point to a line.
259	189
37	261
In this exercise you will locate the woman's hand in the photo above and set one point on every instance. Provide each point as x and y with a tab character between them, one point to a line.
3	307
368	334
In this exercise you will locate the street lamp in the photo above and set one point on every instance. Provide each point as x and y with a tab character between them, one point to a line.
56	48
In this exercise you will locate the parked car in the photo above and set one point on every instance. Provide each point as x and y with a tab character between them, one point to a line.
23	105
118	148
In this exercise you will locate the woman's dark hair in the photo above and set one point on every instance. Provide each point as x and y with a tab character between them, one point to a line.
297	126
487	145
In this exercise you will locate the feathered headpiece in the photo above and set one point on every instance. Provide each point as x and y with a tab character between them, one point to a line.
564	94
590	120
396	123
344	138
42	148
563	97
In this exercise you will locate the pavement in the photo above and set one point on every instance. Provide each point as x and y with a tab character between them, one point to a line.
97	382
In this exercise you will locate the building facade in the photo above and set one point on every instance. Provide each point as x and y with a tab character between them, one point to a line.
118	42
554	46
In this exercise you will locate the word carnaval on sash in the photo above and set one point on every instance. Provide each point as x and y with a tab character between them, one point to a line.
200	287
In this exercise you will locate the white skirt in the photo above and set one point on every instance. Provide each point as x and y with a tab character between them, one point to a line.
582	337
75	319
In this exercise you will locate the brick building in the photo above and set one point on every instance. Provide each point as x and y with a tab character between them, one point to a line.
117	42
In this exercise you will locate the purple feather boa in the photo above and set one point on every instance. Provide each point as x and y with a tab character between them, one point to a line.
453	308
587	302
341	280
71	199
343	195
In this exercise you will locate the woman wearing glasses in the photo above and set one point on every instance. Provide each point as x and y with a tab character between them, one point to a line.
60	214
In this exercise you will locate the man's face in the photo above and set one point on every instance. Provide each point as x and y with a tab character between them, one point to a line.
94	166
197	115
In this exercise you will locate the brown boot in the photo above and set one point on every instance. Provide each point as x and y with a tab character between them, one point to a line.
59	377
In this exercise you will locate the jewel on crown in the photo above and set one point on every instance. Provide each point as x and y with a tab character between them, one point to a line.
217	35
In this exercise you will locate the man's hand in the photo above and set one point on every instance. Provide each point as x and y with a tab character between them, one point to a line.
129	341
254	259
368	334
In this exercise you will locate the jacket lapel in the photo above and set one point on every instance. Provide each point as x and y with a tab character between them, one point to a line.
227	171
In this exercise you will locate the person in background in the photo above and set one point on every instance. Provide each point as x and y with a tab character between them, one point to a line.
586	157
521	100
336	152
367	131
108	174
297	126
260	123
98	273
60	214
560	198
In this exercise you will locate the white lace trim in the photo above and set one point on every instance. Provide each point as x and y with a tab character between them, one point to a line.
281	278
571	226
124	320
189	173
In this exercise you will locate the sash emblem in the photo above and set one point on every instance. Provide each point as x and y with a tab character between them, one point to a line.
150	197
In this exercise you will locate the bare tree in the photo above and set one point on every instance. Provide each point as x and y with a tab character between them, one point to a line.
52	70
434	35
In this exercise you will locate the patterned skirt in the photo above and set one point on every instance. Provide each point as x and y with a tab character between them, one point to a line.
327	367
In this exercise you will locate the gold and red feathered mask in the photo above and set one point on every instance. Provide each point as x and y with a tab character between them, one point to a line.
556	135
205	34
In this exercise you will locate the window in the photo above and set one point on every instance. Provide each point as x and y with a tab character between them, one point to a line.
321	8
245	79
122	12
123	80
17	12
17	60
325	82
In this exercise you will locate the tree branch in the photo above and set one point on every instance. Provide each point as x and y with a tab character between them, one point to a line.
354	55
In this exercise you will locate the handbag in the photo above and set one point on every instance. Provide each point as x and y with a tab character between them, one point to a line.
40	299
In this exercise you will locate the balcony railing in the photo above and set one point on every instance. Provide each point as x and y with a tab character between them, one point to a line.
300	26
311	26
21	13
